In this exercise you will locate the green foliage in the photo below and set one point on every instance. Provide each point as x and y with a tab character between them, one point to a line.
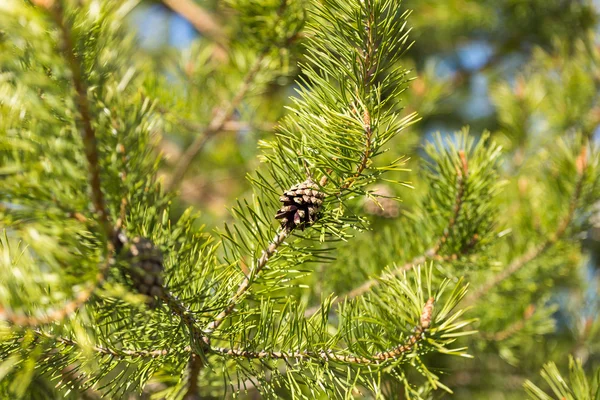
576	387
356	305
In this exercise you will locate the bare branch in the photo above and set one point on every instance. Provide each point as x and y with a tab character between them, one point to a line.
216	125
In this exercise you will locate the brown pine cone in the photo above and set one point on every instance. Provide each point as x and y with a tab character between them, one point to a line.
146	267
301	205
385	207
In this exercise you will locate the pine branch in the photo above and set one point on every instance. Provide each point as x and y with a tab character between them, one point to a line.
216	125
199	338
539	250
512	329
383	356
224	114
24	321
431	253
245	285
195	361
83	105
117	353
330	355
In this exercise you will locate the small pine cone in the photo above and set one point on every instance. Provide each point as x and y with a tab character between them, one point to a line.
301	205
146	267
387	207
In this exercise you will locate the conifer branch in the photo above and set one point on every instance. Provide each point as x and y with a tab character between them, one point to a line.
330	355
117	353
196	362
222	115
66	310
394	353
431	253
461	177
523	260
88	133
187	317
248	279
512	329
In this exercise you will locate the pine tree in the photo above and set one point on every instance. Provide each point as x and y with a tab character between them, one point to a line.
112	287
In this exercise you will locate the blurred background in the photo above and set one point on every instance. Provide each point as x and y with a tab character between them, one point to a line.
524	70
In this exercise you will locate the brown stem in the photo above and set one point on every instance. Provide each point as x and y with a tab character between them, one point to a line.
204	22
216	125
85	121
196	365
330	355
539	250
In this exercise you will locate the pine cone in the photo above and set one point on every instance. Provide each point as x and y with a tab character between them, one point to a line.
387	207
301	205
146	267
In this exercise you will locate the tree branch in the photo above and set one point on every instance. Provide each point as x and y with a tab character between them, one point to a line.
330	355
66	310
199	337
87	131
196	362
248	279
216	125
431	253
539	250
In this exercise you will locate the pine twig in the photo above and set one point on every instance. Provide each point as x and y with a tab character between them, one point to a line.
330	355
512	329
196	362
248	279
187	317
83	105
216	125
431	253
539	250
370	67
66	310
